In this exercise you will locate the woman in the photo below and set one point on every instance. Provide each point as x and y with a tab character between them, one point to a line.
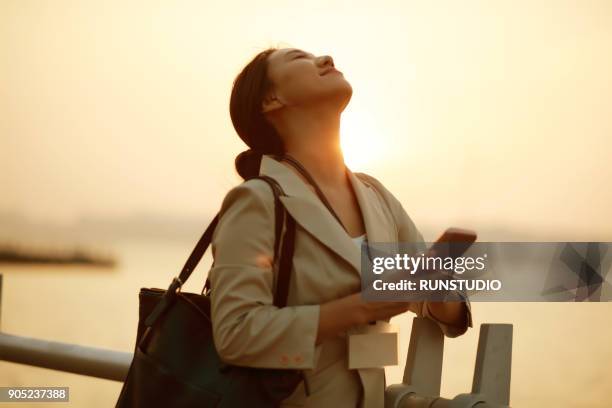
287	101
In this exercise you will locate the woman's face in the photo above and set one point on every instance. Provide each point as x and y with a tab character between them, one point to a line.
300	78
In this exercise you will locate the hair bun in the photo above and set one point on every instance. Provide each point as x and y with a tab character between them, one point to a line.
247	163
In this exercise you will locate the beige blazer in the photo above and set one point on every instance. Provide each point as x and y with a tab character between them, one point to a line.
249	330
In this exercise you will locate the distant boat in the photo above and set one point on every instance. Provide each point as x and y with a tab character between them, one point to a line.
12	255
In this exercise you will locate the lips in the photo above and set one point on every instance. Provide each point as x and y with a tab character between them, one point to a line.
330	70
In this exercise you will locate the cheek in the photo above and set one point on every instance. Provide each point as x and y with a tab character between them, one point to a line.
299	84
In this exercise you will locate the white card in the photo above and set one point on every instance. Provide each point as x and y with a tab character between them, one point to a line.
371	346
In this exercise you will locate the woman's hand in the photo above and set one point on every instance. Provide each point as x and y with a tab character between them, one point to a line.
369	311
341	314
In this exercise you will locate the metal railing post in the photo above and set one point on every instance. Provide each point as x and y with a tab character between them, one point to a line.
420	387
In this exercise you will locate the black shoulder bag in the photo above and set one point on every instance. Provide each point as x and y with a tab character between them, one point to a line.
175	361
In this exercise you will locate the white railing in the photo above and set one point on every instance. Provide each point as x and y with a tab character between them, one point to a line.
420	387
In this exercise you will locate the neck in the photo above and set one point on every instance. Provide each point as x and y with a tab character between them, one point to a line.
314	141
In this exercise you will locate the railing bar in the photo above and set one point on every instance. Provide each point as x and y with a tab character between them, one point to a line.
91	361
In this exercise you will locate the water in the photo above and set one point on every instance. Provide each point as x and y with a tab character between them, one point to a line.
561	352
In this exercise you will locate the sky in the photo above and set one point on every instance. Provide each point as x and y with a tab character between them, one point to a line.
473	114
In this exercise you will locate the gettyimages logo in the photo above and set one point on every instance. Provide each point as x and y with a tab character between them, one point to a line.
487	271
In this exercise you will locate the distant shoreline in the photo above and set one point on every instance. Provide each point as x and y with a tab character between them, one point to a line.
12	255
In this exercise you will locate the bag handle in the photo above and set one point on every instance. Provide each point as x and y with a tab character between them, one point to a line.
284	265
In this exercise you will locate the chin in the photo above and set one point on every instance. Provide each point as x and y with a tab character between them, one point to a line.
343	89
338	95
347	97
346	93
346	84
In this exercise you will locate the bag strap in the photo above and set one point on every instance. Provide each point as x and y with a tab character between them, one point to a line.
284	265
300	167
283	258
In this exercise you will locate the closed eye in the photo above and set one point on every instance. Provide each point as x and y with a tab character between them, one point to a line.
303	56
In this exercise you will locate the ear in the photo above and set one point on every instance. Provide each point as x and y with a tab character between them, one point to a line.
270	103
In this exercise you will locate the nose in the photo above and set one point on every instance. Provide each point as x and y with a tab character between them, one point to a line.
326	60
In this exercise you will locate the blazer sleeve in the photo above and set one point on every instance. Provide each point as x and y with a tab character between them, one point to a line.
248	330
408	232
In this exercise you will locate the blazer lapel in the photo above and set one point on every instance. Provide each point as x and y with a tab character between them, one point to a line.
310	212
378	228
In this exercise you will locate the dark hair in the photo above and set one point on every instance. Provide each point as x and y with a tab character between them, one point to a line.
248	92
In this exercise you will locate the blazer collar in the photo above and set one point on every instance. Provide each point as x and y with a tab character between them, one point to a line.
310	212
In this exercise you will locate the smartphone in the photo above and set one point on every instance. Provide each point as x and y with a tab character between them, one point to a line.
453	243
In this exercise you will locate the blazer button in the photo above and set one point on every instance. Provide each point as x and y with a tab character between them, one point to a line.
298	358
284	359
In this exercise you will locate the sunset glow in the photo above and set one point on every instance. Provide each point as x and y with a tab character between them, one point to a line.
361	144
